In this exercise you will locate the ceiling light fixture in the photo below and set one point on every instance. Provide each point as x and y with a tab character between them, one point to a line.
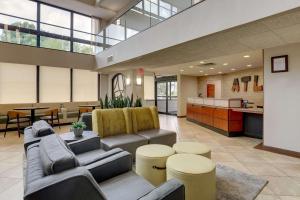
202	62
128	81
246	56
249	65
191	66
220	72
225	64
205	74
138	81
233	69
201	71
211	68
182	70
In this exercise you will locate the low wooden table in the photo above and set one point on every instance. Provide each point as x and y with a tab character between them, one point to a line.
70	137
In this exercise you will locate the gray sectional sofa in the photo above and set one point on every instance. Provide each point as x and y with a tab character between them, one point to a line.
82	170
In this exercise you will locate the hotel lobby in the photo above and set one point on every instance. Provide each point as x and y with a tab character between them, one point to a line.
146	100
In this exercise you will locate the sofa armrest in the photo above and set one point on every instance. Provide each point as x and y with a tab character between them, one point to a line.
171	190
50	187
85	145
111	166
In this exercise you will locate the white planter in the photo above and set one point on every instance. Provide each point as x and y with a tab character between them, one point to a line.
77	132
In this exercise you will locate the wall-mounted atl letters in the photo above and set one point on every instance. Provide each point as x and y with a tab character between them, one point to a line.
246	80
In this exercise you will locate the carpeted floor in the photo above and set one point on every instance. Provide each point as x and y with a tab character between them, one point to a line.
236	185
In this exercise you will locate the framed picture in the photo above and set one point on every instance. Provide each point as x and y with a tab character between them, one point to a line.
280	64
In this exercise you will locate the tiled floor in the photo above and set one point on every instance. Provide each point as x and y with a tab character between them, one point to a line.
283	172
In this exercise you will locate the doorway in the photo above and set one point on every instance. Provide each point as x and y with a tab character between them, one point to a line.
210	90
166	95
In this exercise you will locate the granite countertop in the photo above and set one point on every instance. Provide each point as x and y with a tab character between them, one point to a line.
249	110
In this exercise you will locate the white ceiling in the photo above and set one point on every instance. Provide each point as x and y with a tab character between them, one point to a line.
221	65
223	47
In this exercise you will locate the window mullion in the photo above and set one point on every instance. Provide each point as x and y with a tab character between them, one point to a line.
38	24
71	32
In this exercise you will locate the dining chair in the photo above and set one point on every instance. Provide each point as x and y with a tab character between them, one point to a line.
84	110
18	118
50	116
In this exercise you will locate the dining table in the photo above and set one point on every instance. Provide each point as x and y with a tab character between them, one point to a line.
32	111
93	106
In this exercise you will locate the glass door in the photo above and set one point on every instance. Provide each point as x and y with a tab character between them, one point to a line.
166	95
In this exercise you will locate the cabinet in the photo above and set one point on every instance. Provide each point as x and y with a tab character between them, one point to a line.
223	119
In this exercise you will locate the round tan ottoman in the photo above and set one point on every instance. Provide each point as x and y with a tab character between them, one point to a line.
192	148
197	173
151	162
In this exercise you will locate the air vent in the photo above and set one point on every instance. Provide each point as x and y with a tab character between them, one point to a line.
110	58
207	64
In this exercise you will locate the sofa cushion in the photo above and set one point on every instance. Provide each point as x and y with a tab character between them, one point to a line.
55	155
41	128
90	157
127	186
109	122
29	138
34	168
144	118
159	136
127	142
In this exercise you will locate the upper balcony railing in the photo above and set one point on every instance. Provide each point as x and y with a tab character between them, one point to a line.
143	15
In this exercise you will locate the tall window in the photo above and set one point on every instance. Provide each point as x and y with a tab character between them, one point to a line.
17	83
19	8
86	28
85	85
55	21
54	84
23	9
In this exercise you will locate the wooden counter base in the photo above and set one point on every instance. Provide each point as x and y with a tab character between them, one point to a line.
222	120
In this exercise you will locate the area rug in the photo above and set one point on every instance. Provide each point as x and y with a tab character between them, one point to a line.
235	185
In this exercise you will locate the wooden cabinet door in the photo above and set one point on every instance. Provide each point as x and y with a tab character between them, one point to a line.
210	90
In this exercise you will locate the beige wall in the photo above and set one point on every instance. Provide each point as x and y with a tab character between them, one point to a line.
20	54
187	87
227	81
282	98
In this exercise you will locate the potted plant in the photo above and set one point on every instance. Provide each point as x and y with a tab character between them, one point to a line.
77	128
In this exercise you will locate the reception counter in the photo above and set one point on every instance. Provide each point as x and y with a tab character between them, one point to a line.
216	114
253	121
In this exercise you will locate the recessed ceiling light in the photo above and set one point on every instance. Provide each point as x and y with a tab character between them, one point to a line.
220	72
191	66
225	64
182	70
205	74
202	62
233	69
211	68
246	56
249	65
201	71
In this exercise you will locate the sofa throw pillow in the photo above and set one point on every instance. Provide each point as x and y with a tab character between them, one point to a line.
41	128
